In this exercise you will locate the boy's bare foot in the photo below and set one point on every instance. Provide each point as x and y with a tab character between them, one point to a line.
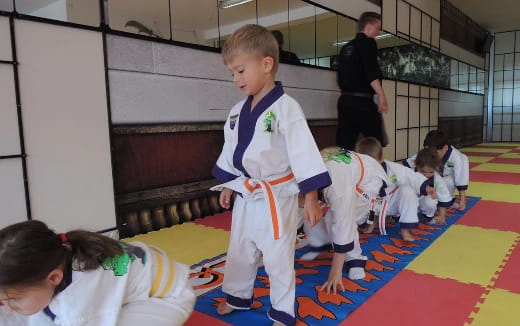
277	324
369	228
224	309
407	235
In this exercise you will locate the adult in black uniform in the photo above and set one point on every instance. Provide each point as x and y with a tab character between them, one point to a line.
359	78
284	56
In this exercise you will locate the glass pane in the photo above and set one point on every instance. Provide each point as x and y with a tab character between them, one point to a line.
84	12
232	18
302	30
148	18
188	25
508	61
273	14
326	37
6	5
499	62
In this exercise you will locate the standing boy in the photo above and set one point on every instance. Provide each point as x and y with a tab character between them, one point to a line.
268	157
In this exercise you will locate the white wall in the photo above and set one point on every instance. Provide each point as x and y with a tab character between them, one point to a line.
459	53
159	83
64	111
352	8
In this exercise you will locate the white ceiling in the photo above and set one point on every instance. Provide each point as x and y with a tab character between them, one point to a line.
495	16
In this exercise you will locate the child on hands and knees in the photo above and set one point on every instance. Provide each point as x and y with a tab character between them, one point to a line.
428	163
404	188
455	165
356	178
268	157
86	279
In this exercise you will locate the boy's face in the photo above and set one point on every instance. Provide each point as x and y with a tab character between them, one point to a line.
373	30
427	171
250	73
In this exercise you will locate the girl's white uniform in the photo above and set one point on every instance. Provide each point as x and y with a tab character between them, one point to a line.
456	169
403	191
428	205
142	287
356	180
269	156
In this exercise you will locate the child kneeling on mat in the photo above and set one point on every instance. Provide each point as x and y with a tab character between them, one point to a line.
83	278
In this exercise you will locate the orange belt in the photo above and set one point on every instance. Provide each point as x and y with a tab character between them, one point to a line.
276	218
362	193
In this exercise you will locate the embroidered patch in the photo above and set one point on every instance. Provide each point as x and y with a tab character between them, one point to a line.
449	164
119	264
268	121
233	121
393	179
337	155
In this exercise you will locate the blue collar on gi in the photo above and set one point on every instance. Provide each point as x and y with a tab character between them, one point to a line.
67	280
247	123
383	164
447	155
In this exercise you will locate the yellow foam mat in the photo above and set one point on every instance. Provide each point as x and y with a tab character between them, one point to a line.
466	254
510	155
499	144
484	150
499	308
188	243
495	191
479	159
498	167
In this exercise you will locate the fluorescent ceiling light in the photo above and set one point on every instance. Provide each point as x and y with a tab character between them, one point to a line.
224	4
385	35
339	43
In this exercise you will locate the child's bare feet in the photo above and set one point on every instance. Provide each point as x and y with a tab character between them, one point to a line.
407	235
369	228
224	309
277	324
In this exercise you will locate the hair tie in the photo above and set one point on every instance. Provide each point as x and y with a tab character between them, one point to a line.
63	237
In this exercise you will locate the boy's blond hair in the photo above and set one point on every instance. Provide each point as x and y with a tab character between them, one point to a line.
252	39
370	146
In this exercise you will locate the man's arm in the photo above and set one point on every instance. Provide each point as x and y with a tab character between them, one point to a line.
383	104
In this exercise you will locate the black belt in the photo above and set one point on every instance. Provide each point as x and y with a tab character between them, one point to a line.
358	94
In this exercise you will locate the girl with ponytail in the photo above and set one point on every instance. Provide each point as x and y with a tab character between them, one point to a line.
86	279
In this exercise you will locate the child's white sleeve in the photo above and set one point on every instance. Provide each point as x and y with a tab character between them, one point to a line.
410	162
461	171
443	194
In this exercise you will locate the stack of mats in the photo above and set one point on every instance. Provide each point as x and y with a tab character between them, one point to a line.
465	274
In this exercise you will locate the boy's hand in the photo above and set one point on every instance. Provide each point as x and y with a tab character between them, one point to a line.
335	280
431	192
462	203
311	208
225	198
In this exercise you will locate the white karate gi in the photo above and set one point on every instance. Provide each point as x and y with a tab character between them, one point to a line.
150	291
456	169
403	191
272	144
356	179
428	205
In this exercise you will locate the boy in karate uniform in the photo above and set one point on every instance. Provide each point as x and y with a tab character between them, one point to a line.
404	188
456	165
356	180
268	157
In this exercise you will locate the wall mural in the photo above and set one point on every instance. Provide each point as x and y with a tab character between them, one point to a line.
416	64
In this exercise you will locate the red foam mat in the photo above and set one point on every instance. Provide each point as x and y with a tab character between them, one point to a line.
510	275
494	177
219	221
493	215
496	146
412	299
505	160
200	319
482	154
